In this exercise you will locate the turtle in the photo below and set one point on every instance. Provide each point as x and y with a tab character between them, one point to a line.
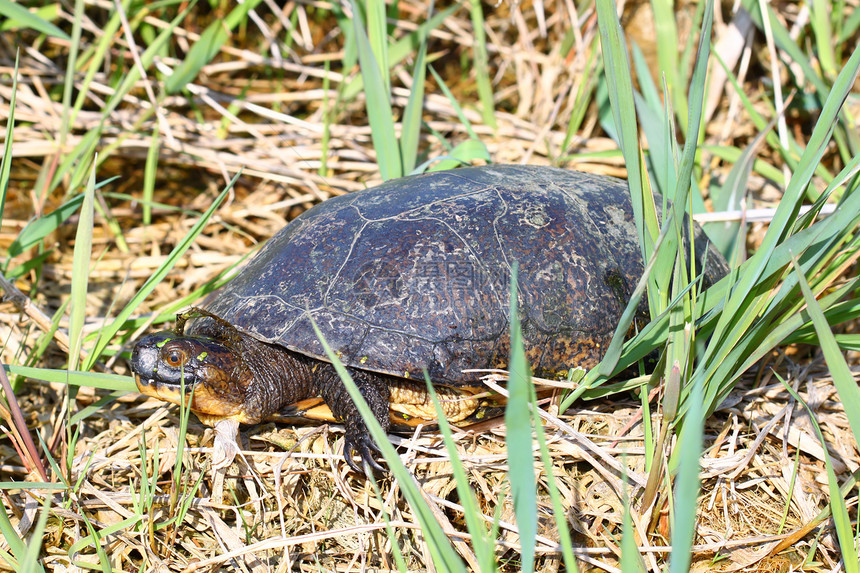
406	278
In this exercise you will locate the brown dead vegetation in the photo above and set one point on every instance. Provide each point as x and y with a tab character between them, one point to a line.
291	502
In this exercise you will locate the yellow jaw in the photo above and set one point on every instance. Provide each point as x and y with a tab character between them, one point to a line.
208	406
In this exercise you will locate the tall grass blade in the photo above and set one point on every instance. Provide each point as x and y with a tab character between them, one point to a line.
379	112
482	67
81	272
377	33
822	11
655	124
631	560
616	70
71	67
687	484
10	536
399	560
482	543
741	309
410	131
207	47
95	64
106	335
696	102
843	379
442	553
837	506
95	537
669	53
608	365
518	437
18	14
559	511
150	172
729	236
100	380
397	52
6	160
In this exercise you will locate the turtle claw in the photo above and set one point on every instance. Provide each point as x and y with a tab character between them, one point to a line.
365	447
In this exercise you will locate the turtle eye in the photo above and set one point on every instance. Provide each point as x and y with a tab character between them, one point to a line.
174	357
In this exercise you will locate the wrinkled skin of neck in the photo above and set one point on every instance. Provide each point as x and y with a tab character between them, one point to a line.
273	377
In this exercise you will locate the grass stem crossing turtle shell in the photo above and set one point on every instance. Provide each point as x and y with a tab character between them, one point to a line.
410	275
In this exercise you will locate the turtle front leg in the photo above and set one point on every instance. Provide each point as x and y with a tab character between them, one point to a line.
374	388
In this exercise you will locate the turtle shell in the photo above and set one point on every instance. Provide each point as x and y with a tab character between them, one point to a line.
415	273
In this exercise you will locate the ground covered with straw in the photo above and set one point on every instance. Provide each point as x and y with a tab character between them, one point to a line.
169	105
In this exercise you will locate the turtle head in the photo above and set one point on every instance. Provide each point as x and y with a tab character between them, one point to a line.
213	374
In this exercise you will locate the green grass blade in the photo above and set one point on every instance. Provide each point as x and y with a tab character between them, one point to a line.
379	112
107	334
410	131
95	536
397	52
631	560
559	511
616	70
327	121
729	236
16	13
465	151
821	13
81	272
458	109
444	556
6	160
843	379
482	68
399	560
668	53
100	380
207	47
613	353
687	484
837	507
10	535
694	121
729	327
481	541
97	406
463	154
150	171
377	34
849	394
37	230
583	98
518	437
655	124
105	43
71	64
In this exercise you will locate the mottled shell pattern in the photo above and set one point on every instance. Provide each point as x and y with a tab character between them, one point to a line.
415	273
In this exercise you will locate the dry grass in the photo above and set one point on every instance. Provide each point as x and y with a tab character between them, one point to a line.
292	503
